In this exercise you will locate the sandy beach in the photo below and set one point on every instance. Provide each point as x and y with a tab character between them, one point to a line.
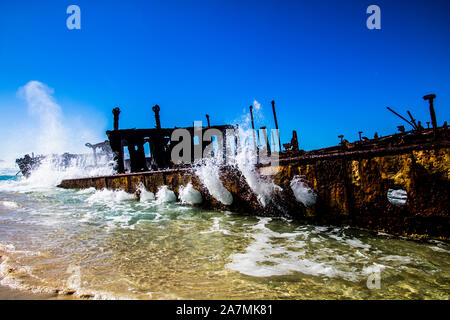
7	293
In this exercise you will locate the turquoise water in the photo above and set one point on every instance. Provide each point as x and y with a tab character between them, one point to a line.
104	244
4	178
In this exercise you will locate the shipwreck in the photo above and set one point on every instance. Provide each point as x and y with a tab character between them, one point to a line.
396	184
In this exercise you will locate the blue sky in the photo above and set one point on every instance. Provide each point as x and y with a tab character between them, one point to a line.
327	72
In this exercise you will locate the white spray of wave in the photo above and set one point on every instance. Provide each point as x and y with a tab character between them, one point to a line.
53	133
189	195
53	169
246	160
263	189
86	191
145	195
165	195
208	174
256	105
302	192
106	196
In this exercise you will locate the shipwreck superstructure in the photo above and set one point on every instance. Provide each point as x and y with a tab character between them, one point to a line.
28	163
159	142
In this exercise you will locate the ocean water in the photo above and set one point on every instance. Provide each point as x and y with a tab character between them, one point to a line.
108	245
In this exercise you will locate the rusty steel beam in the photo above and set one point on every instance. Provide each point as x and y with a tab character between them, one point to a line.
116	112
430	98
413	120
401	117
365	152
266	140
156	110
253	129
276	123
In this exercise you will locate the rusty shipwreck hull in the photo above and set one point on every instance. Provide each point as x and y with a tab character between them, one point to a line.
352	188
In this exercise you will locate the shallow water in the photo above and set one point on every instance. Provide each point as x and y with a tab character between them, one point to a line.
106	244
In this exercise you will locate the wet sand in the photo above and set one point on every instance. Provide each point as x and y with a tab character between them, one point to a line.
7	293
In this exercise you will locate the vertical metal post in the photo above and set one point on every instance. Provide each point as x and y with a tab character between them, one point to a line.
116	142
294	142
273	140
236	140
116	112
276	123
266	140
224	146
156	111
253	129
430	98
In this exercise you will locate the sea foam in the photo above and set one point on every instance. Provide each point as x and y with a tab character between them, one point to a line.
106	196
189	195
208	173
145	195
165	195
302	192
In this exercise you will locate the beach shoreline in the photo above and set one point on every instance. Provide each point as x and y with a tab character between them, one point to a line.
8	293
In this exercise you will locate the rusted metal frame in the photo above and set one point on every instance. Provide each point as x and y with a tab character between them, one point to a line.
366	152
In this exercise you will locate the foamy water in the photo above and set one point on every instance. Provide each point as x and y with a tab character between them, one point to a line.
302	192
263	188
165	195
208	172
145	195
190	195
53	170
109	245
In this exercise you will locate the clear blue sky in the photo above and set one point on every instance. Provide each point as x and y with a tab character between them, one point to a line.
326	71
